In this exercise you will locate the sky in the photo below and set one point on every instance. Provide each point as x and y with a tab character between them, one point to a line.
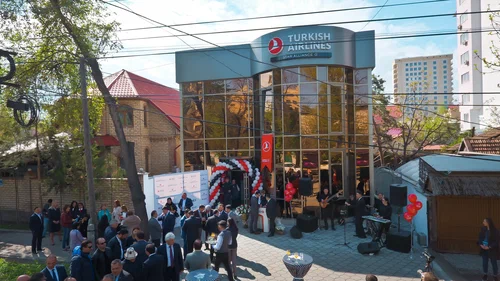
161	68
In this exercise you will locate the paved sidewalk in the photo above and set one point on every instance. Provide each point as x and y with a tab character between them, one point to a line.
260	257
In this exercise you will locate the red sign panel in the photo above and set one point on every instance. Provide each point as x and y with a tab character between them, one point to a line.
267	152
275	46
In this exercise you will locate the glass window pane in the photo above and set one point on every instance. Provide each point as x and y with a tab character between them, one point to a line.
335	74
266	79
277	76
336	163
215	144
278	142
361	76
214	157
309	143
291	121
323	109
278	110
292	163
324	175
268	111
214	87
361	95
309	108
362	120
237	144
308	74
194	88
324	142
310	167
322	74
336	108
192	111
193	161
237	85
193	145
362	142
337	142
349	75
292	142
214	116
290	75
237	109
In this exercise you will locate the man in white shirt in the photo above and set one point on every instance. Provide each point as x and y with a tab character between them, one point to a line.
184	203
222	249
174	263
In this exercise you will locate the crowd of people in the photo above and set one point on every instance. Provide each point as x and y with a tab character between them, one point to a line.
121	252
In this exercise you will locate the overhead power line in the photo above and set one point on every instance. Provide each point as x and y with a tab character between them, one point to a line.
289	15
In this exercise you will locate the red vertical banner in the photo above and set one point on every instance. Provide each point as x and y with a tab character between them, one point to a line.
267	152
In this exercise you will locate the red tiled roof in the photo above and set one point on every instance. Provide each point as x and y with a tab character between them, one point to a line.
105	140
486	143
124	84
433	147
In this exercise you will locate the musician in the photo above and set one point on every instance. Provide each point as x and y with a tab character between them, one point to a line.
385	212
327	211
360	211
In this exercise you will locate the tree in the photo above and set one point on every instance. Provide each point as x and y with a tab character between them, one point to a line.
407	127
54	35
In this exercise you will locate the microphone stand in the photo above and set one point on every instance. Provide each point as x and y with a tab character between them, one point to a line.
343	214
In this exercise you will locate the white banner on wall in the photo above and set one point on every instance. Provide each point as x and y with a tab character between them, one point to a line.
195	184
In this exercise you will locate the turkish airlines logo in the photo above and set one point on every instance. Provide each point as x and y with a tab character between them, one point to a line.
275	46
266	146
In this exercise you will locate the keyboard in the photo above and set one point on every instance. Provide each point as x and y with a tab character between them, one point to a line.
375	219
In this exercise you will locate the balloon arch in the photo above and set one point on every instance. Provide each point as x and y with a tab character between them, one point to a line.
220	170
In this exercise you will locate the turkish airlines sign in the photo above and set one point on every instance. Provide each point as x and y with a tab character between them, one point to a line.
301	45
267	155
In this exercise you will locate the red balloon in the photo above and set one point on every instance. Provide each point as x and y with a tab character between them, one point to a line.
407	217
287	193
412	198
293	191
288	198
418	205
411	209
289	185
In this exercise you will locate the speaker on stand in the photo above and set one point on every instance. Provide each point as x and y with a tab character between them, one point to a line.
398	196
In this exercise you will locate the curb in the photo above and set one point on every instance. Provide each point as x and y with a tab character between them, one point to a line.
444	269
14	230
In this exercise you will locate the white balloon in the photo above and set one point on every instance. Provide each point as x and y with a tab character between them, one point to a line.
260	188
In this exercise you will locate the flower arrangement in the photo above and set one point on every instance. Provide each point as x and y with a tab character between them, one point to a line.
243	210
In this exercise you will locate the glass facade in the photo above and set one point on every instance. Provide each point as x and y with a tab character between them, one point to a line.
318	115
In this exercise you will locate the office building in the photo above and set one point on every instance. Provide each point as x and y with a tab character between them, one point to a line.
423	83
478	84
306	86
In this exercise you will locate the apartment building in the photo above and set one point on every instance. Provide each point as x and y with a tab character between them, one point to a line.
478	84
424	83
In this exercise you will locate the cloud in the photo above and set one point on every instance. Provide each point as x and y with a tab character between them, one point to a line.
184	11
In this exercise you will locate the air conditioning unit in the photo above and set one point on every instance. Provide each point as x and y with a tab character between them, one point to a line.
466	62
466	43
459	27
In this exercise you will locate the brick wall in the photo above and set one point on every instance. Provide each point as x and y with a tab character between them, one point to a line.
107	190
160	136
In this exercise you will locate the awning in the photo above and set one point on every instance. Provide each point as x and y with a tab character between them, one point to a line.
105	140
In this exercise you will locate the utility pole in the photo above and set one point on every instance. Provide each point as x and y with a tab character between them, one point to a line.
87	145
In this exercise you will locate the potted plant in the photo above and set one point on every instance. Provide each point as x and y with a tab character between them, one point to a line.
243	211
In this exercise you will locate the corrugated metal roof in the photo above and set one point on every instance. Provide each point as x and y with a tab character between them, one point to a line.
449	163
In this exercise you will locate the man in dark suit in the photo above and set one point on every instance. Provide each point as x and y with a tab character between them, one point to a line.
54	272
168	222
254	212
117	244
191	228
172	254
184	203
228	192
140	247
118	273
154	266
223	216
155	230
211	227
359	211
271	212
36	227
101	260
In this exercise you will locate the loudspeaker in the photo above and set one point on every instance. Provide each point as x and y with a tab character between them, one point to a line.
399	241
368	248
305	187
295	232
311	211
398	194
307	223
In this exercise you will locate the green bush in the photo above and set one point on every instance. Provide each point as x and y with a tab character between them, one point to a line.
9	271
